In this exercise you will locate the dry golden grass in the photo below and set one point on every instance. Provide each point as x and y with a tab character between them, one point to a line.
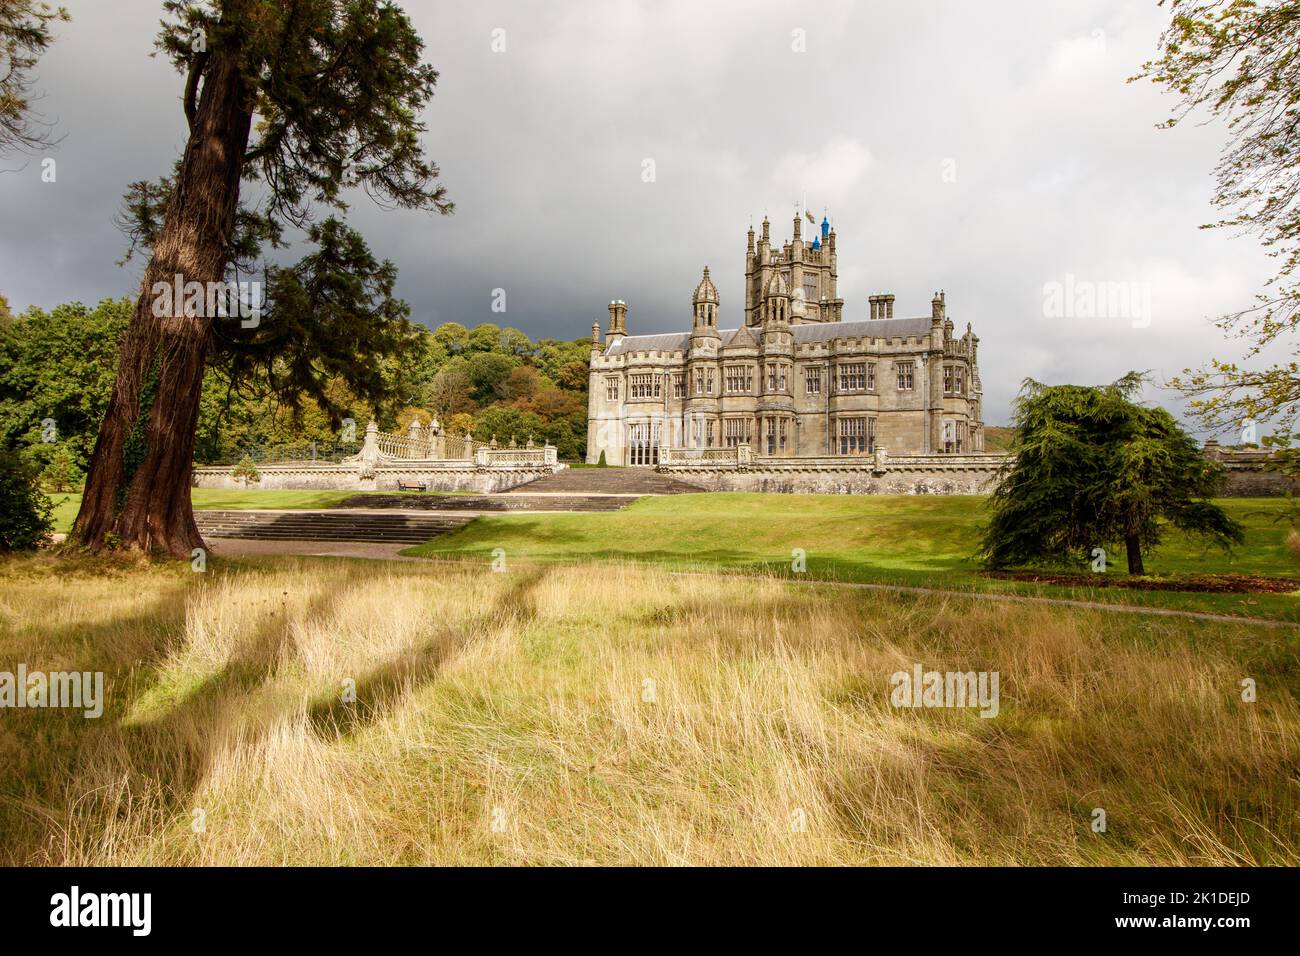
504	719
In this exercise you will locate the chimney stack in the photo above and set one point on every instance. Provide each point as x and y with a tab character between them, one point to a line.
617	319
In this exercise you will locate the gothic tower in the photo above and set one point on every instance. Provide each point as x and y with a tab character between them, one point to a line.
809	269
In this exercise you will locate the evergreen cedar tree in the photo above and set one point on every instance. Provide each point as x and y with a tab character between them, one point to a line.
24	35
1094	469
293	103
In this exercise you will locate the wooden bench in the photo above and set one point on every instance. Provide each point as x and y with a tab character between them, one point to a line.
410	485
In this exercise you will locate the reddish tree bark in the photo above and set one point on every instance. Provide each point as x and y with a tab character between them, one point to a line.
194	243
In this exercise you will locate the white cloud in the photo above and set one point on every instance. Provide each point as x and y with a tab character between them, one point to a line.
1074	54
1058	168
829	174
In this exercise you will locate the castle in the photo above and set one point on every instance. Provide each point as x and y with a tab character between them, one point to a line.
794	380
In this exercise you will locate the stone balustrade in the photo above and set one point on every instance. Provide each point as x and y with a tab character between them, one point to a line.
401	448
1248	472
440	462
738	469
488	457
420	443
733	457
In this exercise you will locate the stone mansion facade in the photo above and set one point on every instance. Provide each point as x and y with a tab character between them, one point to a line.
795	380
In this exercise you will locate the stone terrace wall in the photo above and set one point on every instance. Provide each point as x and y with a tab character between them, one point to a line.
438	461
1248	473
461	476
913	475
726	470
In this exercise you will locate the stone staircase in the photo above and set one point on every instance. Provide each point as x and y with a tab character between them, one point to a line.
490	503
415	518
605	481
573	489
393	527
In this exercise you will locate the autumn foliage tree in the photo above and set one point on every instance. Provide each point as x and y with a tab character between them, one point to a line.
289	104
1238	61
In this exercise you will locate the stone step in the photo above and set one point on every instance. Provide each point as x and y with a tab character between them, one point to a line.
327	525
287	534
266	534
323	527
502	502
625	481
340	518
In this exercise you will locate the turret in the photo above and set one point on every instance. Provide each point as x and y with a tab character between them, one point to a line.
705	302
757	275
796	269
776	299
751	263
935	365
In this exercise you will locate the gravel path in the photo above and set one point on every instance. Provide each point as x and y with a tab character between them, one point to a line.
242	548
1027	599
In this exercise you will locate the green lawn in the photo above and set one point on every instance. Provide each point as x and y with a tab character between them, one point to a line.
913	540
910	540
65	511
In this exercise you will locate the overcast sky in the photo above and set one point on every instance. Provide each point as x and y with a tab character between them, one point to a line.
986	149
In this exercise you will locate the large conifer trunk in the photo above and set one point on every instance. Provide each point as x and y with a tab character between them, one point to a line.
194	242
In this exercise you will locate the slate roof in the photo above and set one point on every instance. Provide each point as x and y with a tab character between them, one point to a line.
863	328
665	342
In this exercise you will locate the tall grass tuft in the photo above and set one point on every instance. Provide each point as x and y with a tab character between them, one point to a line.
611	714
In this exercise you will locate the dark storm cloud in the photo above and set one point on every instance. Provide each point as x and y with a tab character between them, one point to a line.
983	149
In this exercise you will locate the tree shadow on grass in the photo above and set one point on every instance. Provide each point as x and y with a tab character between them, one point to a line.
380	691
171	755
43	752
80	769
